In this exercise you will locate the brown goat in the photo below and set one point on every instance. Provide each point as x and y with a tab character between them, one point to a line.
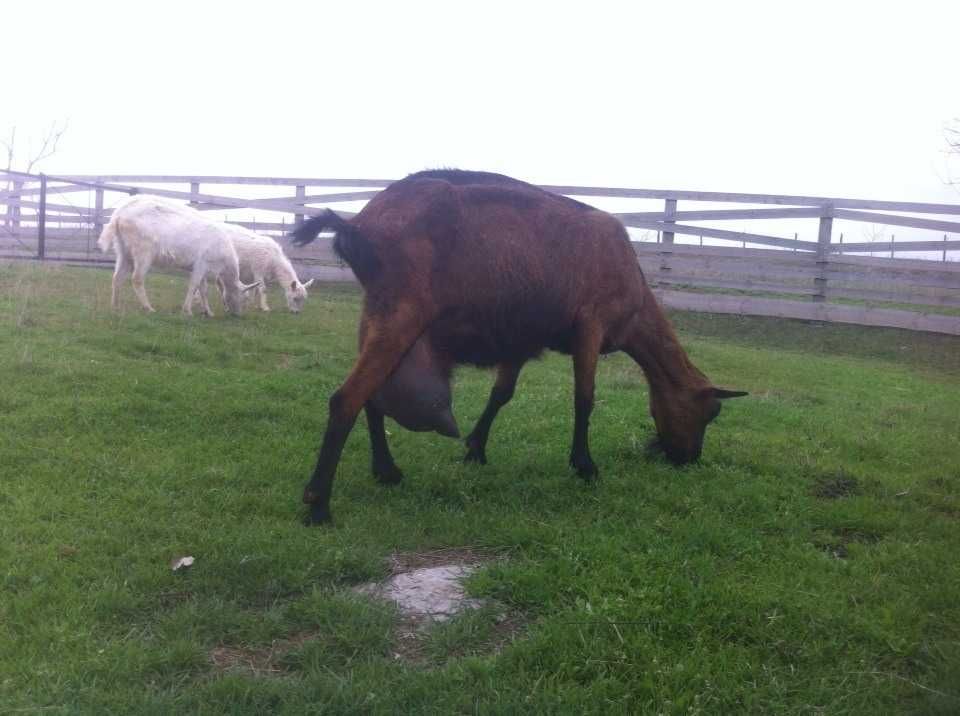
479	268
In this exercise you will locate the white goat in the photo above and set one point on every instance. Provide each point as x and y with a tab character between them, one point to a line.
261	260
144	230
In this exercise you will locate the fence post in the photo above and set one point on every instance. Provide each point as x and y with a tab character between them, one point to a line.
194	190
824	237
666	248
944	250
891	245
42	219
301	193
14	212
669	214
98	216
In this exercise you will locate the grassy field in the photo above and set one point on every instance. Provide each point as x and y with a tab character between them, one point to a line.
808	564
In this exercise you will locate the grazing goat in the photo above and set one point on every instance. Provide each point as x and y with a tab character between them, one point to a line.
147	230
261	259
479	268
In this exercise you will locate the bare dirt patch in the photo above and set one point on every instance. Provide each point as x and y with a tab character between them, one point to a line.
438	621
427	593
427	588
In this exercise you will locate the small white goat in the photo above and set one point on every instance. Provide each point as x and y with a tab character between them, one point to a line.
146	230
261	260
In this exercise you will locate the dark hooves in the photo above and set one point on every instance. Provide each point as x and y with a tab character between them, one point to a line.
318	515
475	456
388	475
475	451
586	469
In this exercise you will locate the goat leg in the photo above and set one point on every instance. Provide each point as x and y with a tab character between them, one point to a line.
384	468
585	354
500	395
386	340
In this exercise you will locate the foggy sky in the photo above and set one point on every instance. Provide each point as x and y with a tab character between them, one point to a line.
841	98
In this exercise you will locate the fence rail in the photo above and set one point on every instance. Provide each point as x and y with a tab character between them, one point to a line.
748	272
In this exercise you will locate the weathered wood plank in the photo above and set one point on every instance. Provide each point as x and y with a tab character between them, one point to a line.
723	234
64	208
712	196
723	214
899	246
718	196
319	249
35	191
747	263
264	181
734	252
782	308
881	279
914	222
910	293
888	263
687	279
293	204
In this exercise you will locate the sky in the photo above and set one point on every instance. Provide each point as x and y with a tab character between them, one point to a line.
841	98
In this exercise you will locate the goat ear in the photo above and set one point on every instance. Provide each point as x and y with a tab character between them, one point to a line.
309	283
723	393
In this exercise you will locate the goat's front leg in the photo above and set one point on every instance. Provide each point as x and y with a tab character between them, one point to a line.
384	468
261	292
385	341
197	276
202	297
500	395
585	354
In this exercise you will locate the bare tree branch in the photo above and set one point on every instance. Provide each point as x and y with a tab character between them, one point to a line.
47	149
49	146
951	134
9	146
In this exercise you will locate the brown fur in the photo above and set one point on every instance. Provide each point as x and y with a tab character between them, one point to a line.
489	270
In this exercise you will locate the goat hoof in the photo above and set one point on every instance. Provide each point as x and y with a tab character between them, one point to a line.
388	475
475	456
586	469
318	515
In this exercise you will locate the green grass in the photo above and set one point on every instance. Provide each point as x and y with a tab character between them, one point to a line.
807	564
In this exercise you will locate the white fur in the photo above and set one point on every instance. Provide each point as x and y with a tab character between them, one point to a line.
147	230
262	260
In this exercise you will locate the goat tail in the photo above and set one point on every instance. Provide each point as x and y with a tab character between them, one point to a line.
349	243
109	234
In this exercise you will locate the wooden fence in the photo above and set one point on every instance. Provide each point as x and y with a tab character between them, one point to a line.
752	273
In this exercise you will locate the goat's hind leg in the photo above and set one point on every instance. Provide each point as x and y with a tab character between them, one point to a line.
197	279
386	340
122	269
585	355
385	470
500	395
